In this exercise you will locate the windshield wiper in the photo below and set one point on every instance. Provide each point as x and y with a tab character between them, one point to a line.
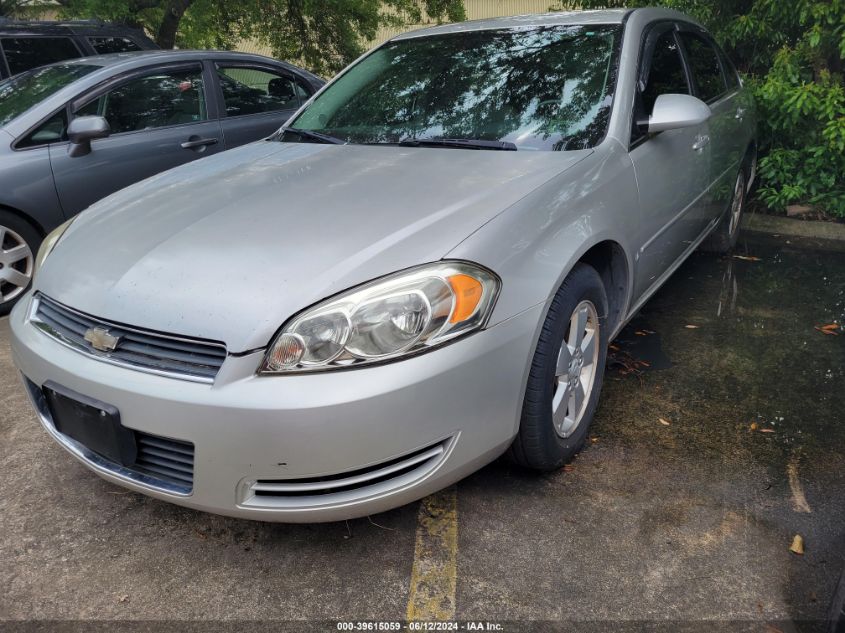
459	143
310	134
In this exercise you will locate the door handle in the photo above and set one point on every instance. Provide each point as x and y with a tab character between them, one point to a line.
701	142
199	142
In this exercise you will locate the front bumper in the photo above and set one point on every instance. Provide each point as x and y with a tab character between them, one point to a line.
313	447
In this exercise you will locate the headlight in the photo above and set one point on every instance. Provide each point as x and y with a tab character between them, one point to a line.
390	318
49	243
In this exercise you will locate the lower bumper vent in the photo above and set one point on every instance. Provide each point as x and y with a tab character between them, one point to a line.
349	485
168	460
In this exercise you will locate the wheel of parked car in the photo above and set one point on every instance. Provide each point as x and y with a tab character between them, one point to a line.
18	245
566	374
724	237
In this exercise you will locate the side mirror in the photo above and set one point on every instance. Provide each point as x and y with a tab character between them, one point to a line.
84	129
672	112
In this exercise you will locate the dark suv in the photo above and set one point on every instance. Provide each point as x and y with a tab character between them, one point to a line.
26	45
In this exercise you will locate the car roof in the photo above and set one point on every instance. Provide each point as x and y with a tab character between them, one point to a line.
557	18
70	27
117	62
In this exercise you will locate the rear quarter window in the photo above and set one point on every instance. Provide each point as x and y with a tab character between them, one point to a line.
106	45
25	53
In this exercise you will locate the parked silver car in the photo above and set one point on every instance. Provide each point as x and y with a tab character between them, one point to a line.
74	132
420	272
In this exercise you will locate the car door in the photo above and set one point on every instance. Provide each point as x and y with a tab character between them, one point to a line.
160	118
710	85
671	167
256	100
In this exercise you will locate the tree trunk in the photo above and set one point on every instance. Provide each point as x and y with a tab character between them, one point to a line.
173	12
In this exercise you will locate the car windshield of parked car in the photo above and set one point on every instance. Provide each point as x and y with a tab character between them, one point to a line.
21	92
538	88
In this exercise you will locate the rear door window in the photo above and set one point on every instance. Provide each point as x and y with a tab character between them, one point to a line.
24	53
249	90
705	66
106	45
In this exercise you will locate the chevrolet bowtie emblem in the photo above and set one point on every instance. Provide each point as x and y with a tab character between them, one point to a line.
101	340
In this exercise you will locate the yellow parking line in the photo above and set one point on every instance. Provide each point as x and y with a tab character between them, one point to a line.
434	575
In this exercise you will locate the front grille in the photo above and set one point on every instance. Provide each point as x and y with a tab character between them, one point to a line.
379	478
175	356
168	460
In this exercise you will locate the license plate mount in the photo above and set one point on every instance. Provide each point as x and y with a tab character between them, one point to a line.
94	424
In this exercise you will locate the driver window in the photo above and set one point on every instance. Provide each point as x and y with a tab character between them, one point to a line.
666	74
154	101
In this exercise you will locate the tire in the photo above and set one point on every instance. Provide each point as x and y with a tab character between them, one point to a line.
723	238
19	242
547	437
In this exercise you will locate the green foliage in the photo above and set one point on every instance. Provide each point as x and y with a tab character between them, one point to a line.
792	53
323	35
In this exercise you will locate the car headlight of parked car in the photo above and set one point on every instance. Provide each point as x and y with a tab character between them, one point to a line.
390	318
49	243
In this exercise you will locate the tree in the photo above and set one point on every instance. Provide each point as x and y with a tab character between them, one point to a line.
792	53
11	8
324	35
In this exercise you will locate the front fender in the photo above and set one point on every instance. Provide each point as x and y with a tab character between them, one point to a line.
535	243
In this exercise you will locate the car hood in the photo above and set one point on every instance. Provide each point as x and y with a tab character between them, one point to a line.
229	247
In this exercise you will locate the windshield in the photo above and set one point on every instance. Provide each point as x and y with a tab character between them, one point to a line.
539	88
19	93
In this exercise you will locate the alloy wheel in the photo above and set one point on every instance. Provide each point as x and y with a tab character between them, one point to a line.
575	373
16	265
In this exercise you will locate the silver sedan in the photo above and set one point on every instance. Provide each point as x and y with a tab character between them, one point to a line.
419	272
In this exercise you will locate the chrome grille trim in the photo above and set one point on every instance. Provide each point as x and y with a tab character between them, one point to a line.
151	352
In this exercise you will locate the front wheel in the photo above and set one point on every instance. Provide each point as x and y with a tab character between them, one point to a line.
19	242
566	374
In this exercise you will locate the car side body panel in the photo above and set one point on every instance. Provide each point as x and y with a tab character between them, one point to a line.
26	185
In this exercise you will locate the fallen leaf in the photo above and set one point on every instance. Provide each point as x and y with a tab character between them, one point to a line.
830	328
767	430
664	422
123	598
797	546
640	333
753	426
568	468
594	440
692	327
747	258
